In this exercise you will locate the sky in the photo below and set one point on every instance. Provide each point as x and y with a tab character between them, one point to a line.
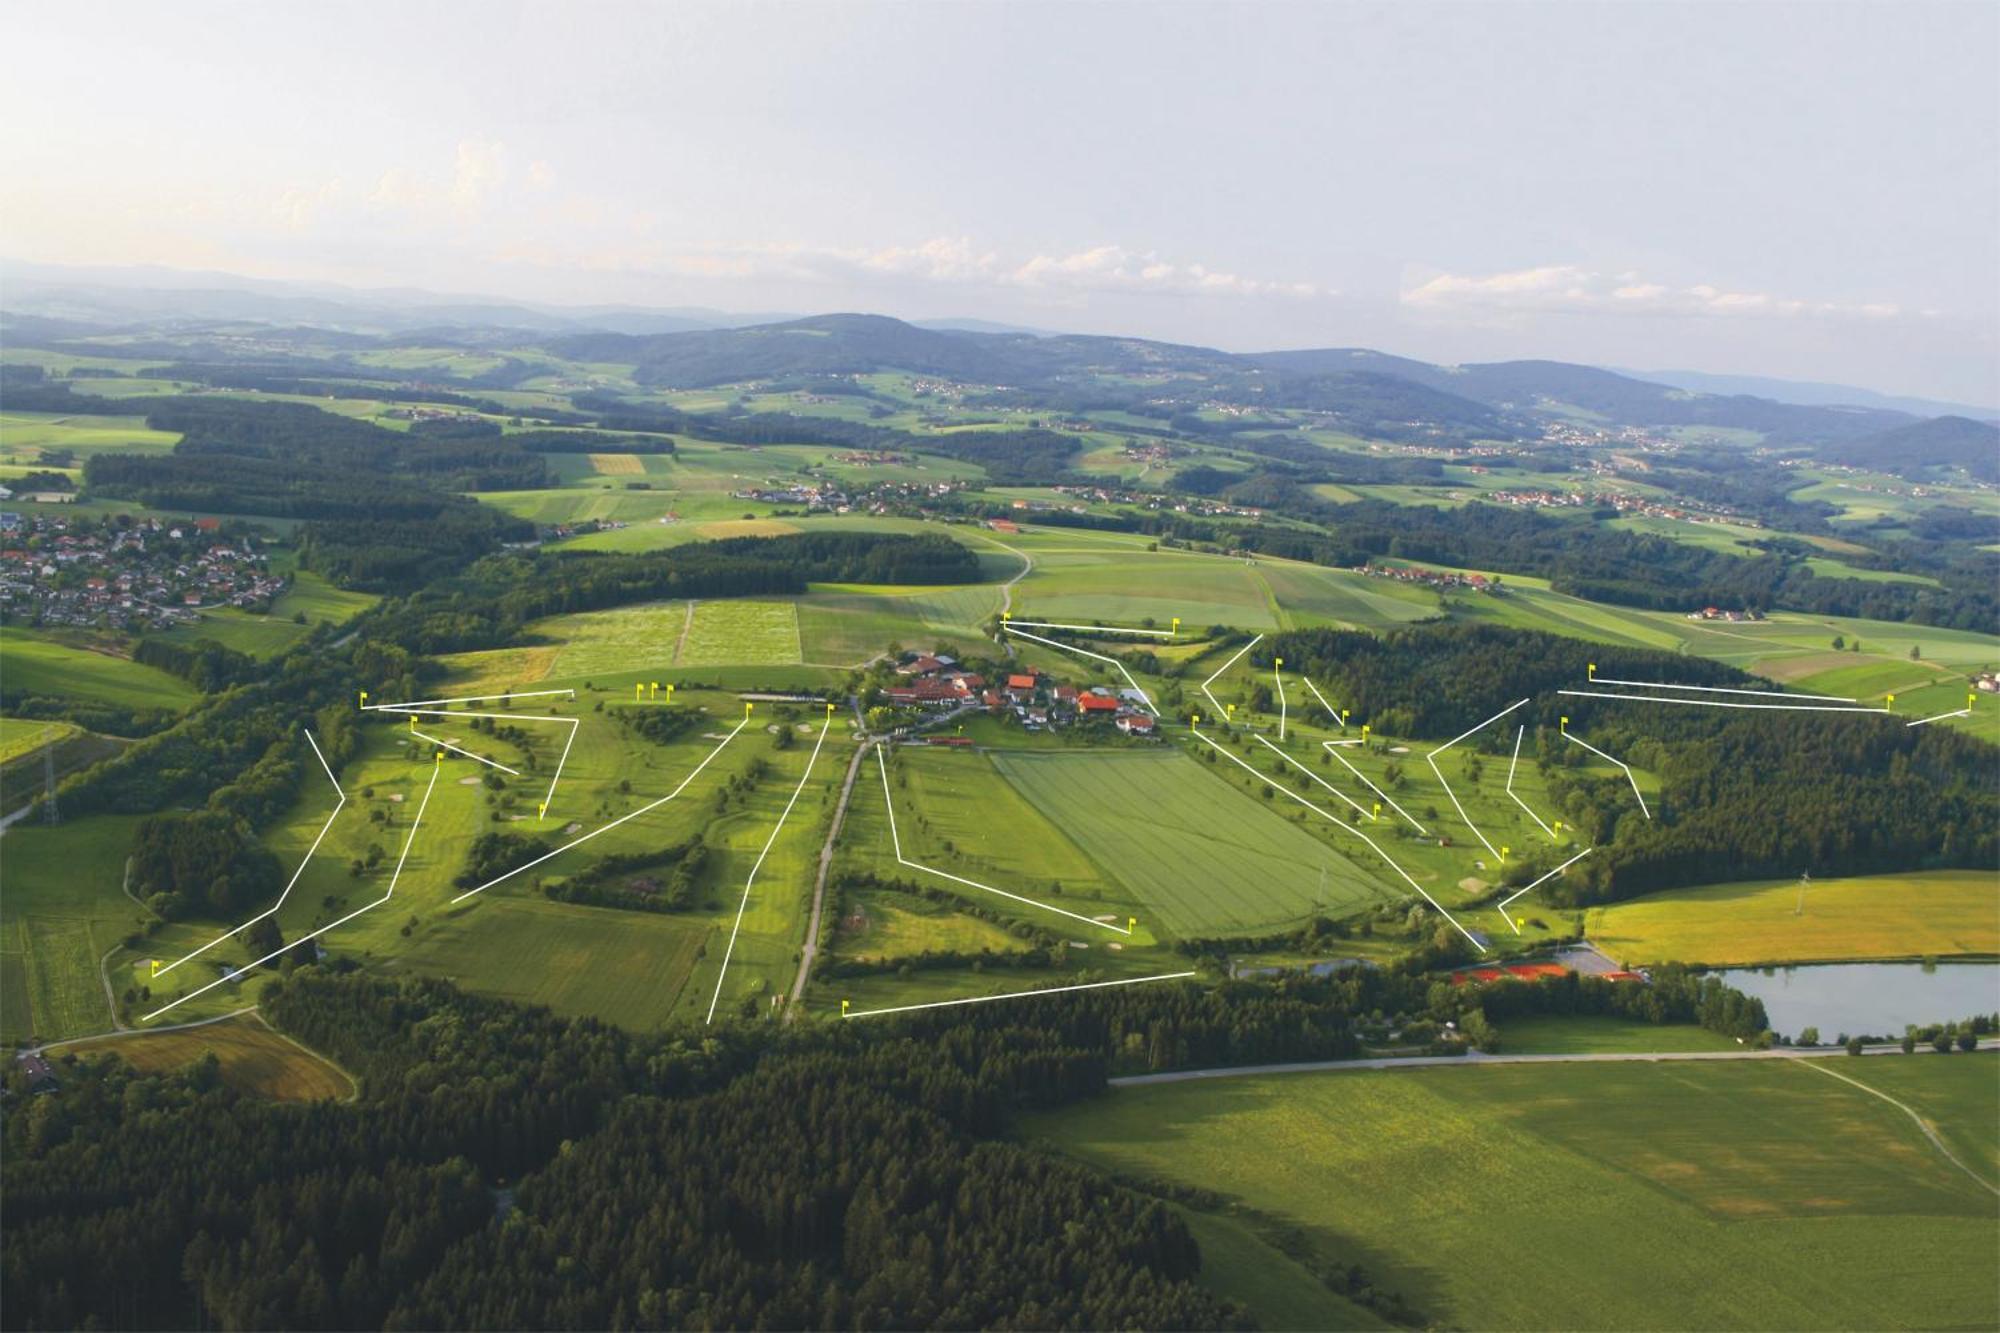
1808	191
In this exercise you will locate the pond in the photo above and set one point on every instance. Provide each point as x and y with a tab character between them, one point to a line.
1878	999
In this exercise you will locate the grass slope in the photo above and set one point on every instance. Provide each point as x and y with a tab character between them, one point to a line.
1636	1195
1939	914
253	1059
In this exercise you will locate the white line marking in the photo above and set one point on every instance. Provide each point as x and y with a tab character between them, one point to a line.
413	711
456	749
897	839
1017	995
1567	735
244	971
1071	648
465	699
1722	689
550	799
1092	629
1487	723
1281	700
1329	747
606	828
1720	703
571	722
775	830
1538	883
1323	703
1329	815
1358	807
1220	712
1958	712
1520	732
295	874
1431	759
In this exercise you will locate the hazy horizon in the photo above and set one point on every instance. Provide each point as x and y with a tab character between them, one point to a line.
1805	192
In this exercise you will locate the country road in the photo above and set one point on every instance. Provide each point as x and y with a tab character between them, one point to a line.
811	947
1475	1058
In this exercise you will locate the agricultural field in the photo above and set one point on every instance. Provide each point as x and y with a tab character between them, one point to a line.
732	631
319	601
259	636
24	435
252	1058
1202	863
1083	577
63	910
1924	914
1743	1194
34	663
24	736
23	773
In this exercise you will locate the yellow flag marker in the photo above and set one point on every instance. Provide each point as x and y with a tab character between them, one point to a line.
156	966
1131	924
747	706
1364	731
1175	633
438	758
843	1007
1195	719
1970	699
1378	809
1277	661
1565	725
829	713
638	691
413	724
364	699
1503	853
1892	701
542	811
1593	671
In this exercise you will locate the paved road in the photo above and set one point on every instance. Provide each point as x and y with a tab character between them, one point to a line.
1475	1058
141	1032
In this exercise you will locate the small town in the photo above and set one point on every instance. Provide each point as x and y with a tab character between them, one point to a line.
127	574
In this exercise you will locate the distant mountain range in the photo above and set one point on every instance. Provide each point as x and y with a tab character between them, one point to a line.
1372	394
1809	393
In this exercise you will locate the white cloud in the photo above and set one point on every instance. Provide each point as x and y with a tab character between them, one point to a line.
479	170
1568	288
1113	267
959	260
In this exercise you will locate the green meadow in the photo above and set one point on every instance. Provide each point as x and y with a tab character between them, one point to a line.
32	663
63	910
1746	1194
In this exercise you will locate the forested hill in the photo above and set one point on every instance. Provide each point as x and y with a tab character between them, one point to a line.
1909	450
1488	395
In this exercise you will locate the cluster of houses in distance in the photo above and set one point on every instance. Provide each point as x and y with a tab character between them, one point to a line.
1037	701
152	574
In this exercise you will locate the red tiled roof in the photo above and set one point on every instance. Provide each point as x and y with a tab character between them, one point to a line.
1020	682
1097	703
